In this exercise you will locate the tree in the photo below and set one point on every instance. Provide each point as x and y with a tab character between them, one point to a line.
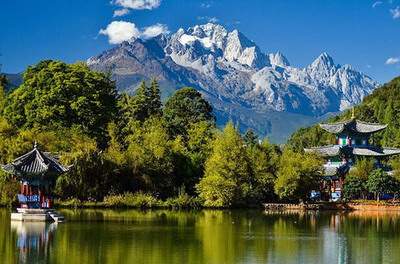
363	168
3	88
155	104
298	174
264	160
354	187
227	174
56	94
185	108
150	154
379	182
250	138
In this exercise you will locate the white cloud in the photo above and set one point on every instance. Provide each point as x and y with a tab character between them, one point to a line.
138	4
120	31
154	30
395	12
377	3
121	12
392	60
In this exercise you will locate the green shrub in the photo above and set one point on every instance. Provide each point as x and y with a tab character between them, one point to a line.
183	201
139	200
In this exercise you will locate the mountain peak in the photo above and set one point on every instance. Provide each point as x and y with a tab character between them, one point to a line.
278	59
323	63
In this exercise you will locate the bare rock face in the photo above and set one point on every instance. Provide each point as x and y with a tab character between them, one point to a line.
239	79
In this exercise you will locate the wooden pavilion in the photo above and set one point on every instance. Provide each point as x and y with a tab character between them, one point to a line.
353	138
36	171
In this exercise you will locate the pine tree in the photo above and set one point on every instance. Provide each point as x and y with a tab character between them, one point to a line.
154	98
250	138
140	103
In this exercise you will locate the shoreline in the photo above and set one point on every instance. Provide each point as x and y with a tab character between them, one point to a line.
331	206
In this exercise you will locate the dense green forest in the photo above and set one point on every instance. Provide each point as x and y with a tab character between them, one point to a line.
137	149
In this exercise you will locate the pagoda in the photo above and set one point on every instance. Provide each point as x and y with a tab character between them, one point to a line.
352	141
36	172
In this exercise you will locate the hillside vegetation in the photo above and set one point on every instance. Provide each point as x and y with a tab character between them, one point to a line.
382	106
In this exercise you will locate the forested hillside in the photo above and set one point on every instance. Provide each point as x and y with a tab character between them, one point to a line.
382	106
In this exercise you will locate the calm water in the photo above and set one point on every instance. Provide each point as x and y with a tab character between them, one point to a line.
106	236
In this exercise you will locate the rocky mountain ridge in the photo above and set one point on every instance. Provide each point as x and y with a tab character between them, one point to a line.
243	83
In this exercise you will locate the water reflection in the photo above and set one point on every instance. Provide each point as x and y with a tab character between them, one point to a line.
34	240
132	236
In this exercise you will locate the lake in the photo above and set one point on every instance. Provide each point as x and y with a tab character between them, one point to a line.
238	236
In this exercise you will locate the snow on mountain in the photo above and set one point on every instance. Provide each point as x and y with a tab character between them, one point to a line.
235	75
278	59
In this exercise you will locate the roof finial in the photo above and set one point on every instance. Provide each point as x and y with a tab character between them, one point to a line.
353	115
35	144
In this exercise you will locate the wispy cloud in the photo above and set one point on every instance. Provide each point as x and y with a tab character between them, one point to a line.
377	3
120	31
206	4
137	4
395	12
208	19
392	60
154	30
121	12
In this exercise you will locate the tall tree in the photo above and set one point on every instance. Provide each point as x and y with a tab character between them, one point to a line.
298	174
250	138
58	94
185	108
227	171
379	182
155	104
264	160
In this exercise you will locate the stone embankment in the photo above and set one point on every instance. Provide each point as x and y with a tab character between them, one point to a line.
351	206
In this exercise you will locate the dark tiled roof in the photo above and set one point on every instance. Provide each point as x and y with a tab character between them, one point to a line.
336	170
325	151
334	150
375	151
353	125
35	162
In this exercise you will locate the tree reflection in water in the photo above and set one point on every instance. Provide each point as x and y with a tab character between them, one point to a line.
207	236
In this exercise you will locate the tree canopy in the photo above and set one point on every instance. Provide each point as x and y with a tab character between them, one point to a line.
184	108
55	94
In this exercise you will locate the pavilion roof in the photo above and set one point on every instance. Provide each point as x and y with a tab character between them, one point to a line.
334	150
35	162
336	170
353	125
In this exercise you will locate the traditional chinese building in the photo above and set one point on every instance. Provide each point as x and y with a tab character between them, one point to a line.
353	140
36	171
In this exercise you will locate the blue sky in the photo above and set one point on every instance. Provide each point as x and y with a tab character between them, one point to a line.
363	33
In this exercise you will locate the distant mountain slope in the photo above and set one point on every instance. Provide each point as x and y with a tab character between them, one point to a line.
14	80
382	106
254	89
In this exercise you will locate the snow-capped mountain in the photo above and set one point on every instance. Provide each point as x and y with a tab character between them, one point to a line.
242	82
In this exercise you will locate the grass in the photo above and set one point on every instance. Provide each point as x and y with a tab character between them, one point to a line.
133	200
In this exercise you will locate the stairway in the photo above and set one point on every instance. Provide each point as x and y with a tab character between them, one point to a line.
56	216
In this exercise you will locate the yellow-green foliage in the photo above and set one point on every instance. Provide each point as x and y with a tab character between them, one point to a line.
227	171
298	174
